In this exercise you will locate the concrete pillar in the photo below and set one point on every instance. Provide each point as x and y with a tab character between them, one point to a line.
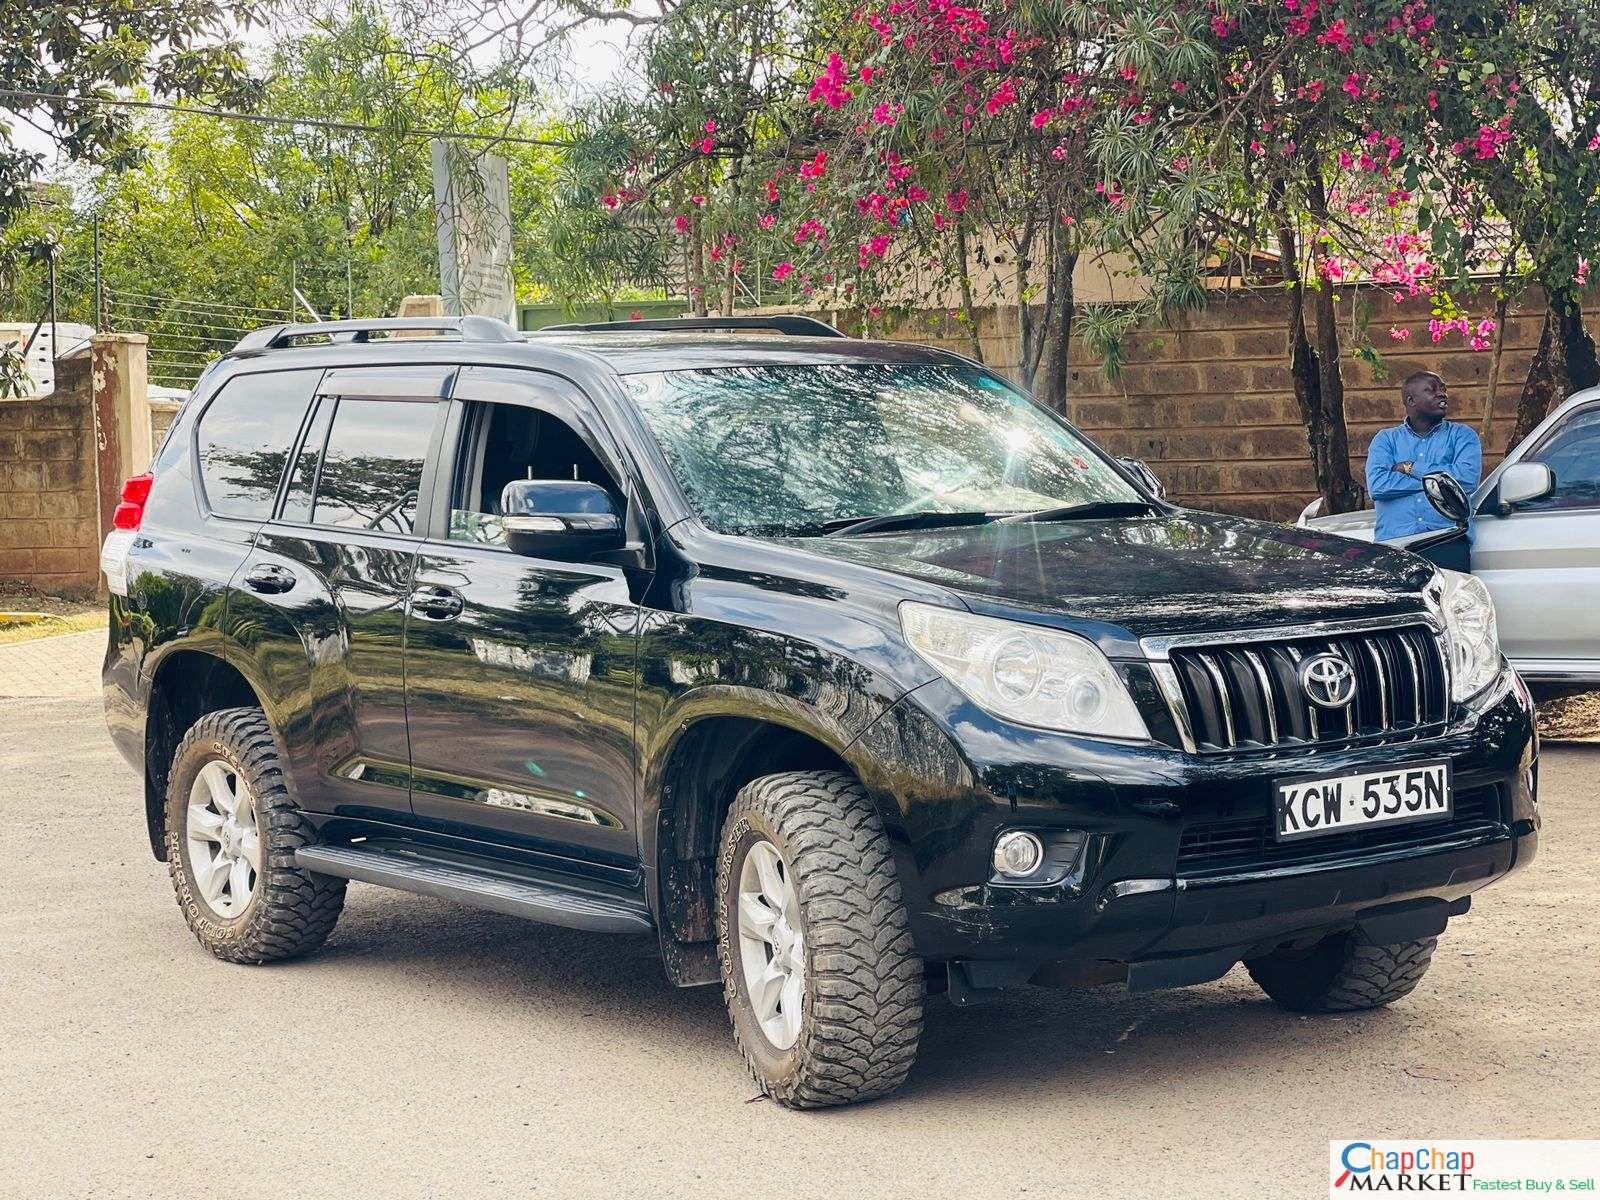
123	439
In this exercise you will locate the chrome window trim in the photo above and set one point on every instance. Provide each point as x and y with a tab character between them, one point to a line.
1156	648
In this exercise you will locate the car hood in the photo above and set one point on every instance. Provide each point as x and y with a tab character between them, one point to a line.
1183	572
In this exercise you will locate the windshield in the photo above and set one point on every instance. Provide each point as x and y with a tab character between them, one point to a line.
793	449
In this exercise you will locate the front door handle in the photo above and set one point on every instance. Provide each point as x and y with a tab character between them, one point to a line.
269	578
437	603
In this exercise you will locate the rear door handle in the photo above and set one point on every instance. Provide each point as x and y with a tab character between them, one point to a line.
269	578
437	603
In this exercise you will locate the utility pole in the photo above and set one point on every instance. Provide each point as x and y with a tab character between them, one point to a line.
99	286
55	342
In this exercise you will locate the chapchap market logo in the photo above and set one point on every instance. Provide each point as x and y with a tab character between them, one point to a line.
1365	1167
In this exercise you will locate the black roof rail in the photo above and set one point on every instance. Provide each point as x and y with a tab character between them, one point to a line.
467	329
791	324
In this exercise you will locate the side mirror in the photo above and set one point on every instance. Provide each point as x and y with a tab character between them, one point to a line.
559	518
1524	481
1447	496
1145	476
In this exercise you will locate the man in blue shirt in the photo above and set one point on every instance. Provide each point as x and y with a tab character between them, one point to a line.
1421	444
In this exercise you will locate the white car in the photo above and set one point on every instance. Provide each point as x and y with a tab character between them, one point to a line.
1536	544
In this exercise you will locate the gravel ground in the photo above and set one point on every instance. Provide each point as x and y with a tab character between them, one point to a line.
431	1050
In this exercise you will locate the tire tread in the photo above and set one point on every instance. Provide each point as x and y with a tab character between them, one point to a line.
864	1020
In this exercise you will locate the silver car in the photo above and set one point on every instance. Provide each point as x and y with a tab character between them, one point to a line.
1536	544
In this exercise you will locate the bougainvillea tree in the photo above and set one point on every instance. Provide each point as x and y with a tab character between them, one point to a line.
1508	94
952	137
909	153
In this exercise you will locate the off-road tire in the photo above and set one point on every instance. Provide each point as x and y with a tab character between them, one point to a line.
292	910
862	1006
1343	973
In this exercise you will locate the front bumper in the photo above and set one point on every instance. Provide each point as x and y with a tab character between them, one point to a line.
1137	894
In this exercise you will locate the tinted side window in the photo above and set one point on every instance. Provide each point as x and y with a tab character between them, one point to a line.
372	466
244	437
303	475
1572	452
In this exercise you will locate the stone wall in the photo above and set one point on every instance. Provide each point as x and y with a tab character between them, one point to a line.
49	511
1210	405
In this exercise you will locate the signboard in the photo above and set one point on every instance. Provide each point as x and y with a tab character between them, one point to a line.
472	201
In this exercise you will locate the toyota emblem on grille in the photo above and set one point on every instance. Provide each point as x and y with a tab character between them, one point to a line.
1327	681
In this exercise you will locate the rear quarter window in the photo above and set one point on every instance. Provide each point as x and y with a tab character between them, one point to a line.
244	436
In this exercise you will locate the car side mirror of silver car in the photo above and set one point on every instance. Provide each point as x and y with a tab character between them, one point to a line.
1145	477
1524	481
1447	496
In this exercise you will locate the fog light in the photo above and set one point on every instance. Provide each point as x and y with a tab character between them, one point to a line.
1017	853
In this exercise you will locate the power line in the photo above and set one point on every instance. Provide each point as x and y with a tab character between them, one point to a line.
262	119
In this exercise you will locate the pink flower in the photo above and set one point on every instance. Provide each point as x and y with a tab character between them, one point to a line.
1179	86
829	87
707	145
768	221
956	201
772	192
1041	118
697	201
782	271
1352	85
711	126
1005	94
1399	334
681	223
817	167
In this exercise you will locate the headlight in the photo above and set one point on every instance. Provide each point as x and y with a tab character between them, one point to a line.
1025	673
1470	636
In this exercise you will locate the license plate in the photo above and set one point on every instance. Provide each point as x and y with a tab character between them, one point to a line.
1337	803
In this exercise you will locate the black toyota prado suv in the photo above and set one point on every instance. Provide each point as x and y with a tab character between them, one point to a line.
840	667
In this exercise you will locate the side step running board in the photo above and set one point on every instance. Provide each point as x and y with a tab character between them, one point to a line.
536	899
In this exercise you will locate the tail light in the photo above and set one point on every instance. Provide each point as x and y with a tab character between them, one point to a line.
135	492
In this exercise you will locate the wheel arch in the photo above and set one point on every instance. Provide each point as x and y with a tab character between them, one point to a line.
718	746
184	686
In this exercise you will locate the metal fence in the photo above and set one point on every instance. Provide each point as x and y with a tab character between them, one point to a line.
185	333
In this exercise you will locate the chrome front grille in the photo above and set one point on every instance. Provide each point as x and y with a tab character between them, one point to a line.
1244	693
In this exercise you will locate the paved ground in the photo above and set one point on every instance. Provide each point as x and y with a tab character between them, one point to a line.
435	1051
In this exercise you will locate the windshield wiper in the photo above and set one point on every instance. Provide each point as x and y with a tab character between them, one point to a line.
1081	512
849	526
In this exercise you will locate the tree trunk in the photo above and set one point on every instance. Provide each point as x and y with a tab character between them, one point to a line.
1051	373
1501	306
1027	328
968	312
1564	363
697	266
1318	384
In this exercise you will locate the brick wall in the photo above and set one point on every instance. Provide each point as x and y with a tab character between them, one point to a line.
49	526
1209	405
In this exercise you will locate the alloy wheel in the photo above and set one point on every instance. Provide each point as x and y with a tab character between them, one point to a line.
224	841
772	944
